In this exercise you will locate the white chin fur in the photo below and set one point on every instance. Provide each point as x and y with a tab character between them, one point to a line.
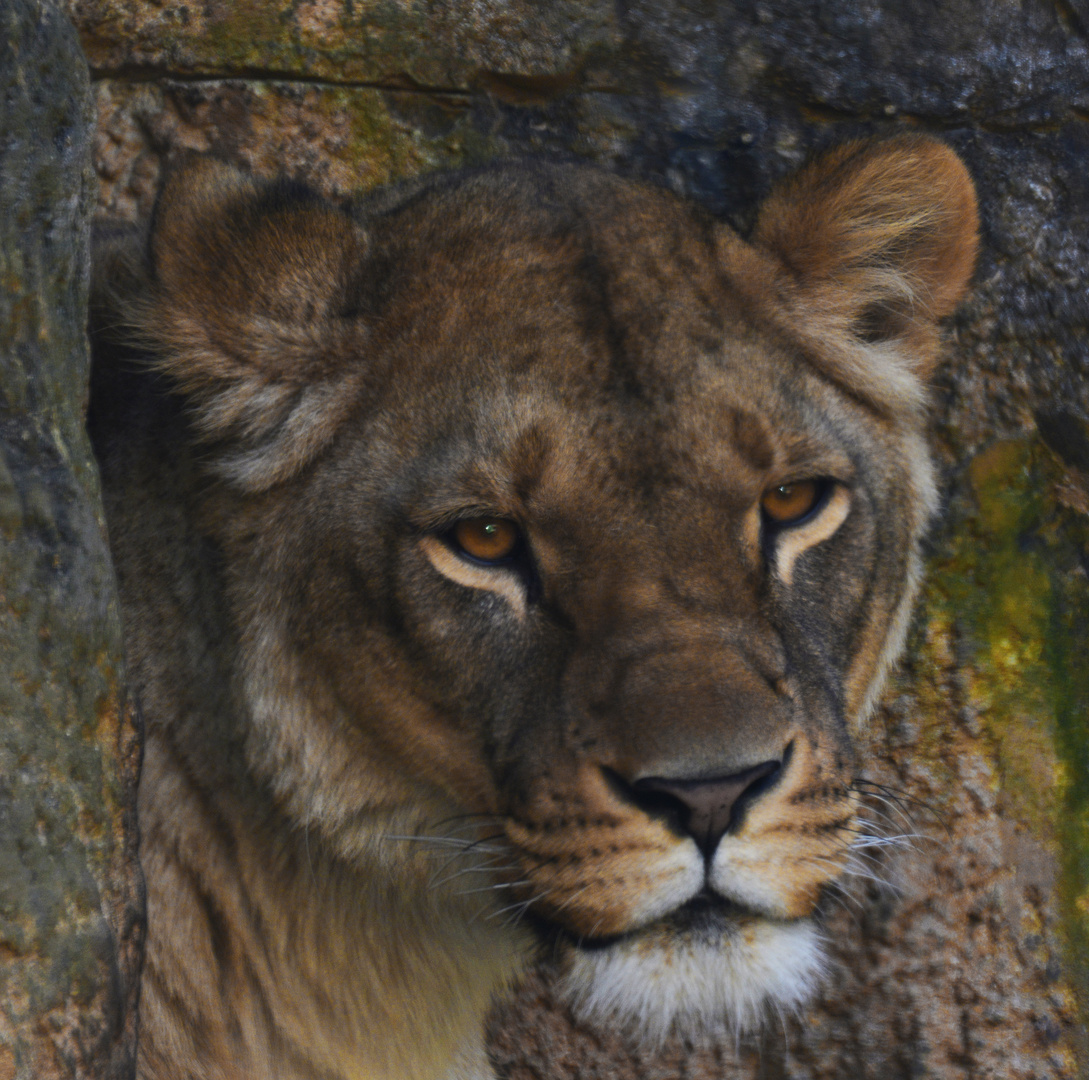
696	985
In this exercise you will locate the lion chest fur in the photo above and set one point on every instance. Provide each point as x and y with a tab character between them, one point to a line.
506	564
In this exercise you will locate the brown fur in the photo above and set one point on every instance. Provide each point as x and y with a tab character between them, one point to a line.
367	755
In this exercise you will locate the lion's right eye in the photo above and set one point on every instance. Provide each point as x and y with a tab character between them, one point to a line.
486	539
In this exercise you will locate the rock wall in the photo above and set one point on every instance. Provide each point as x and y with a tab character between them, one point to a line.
70	888
963	953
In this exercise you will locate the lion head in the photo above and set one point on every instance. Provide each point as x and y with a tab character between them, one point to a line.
568	535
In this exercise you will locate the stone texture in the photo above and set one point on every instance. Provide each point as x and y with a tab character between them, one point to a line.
964	951
70	886
339	138
441	45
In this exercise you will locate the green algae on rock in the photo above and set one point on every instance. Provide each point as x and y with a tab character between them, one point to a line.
1012	580
441	46
341	140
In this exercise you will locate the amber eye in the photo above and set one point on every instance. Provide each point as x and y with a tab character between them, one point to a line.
788	503
489	540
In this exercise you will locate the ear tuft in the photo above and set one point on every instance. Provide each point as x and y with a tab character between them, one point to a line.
878	240
252	314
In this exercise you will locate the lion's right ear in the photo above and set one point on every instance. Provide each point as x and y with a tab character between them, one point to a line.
252	314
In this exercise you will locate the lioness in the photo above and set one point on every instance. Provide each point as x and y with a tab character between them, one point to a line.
504	564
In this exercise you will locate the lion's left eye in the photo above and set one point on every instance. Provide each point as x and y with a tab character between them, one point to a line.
789	504
486	539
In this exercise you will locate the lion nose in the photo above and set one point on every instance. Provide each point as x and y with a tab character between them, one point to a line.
705	809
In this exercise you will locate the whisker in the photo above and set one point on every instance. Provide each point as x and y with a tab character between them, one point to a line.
496	885
594	929
897	832
524	905
889	822
470	848
897	813
467	818
901	798
489	868
842	898
449	841
574	896
876	880
846	868
904	840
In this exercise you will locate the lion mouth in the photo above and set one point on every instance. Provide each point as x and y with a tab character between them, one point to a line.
705	917
707	913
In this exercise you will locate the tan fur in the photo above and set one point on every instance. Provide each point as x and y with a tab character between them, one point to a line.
379	774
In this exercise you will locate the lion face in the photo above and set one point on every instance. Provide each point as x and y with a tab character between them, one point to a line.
570	531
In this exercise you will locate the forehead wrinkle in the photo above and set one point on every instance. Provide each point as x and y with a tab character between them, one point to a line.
782	419
811	458
527	456
718	448
811	443
792	429
750	439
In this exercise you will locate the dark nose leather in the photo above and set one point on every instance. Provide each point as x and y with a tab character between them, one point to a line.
705	809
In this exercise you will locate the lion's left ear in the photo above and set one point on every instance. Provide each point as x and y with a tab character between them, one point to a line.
252	313
875	242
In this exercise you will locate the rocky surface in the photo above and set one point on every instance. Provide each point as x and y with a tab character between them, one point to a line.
965	955
70	886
